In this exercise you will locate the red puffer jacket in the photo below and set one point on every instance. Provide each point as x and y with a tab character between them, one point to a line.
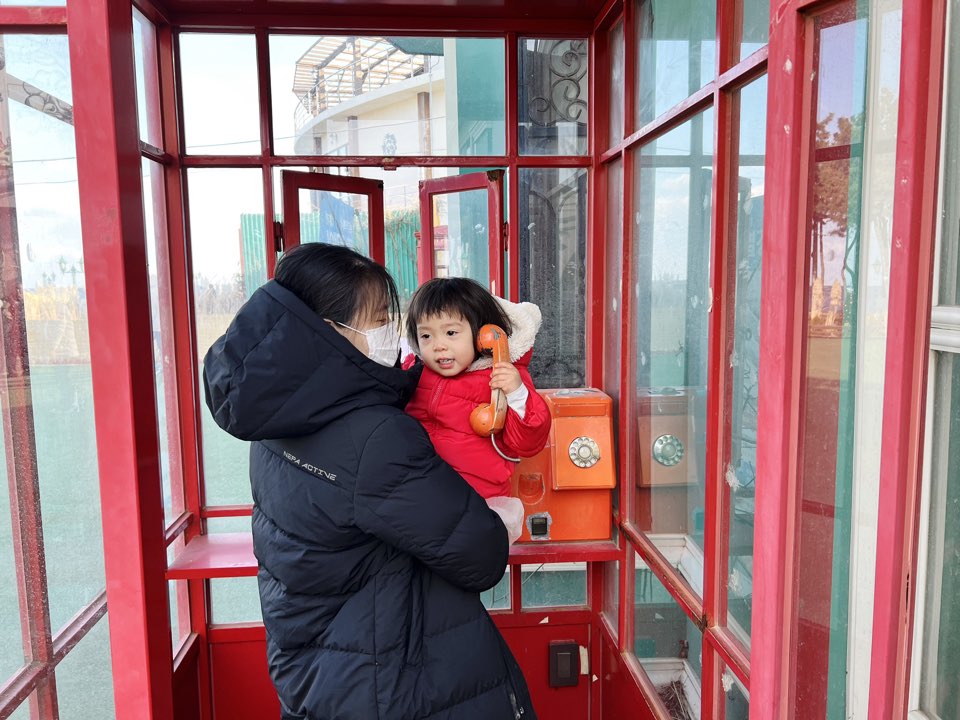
443	406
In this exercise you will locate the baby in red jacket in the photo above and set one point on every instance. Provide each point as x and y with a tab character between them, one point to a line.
442	323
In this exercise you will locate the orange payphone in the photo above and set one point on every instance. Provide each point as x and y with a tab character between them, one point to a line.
566	487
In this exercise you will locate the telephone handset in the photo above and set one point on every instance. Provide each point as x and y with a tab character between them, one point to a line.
488	419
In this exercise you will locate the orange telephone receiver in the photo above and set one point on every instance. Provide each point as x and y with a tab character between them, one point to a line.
489	418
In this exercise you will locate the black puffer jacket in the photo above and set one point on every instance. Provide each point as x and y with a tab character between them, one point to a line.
372	550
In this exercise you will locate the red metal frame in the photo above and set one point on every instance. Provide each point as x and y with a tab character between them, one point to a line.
294	181
108	164
905	380
492	182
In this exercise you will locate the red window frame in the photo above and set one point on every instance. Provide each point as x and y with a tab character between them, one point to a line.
373	190
492	182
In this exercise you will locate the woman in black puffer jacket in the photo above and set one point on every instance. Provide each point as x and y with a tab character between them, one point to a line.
372	550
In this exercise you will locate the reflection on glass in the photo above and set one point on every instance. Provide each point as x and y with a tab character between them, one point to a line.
755	26
736	697
161	321
672	295
667	643
847	237
553	585
148	82
553	252
11	645
743	352
615	87
498	597
676	53
614	283
611	594
554	92
44	249
939	680
461	236
221	115
234	600
349	95
224	205
337	218
84	679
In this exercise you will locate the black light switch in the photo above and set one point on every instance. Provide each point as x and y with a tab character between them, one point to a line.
564	663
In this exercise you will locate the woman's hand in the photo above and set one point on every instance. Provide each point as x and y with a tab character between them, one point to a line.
505	377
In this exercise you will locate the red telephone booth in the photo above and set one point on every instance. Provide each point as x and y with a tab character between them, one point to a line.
738	218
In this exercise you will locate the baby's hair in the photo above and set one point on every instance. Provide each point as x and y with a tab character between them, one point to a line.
458	297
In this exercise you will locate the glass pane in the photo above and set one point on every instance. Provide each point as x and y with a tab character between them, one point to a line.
939	680
676	54
461	236
148	81
613	286
615	87
755	26
737	698
234	600
950	139
218	74
553	585
226	231
743	352
498	597
553	258
336	218
84	679
47	264
554	91
229	525
401	198
851	180
667	643
11	644
673	180
611	594
161	320
336	95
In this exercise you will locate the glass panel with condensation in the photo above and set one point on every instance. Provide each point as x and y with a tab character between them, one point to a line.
387	96
742	348
615	83
852	134
667	643
611	594
84	678
553	585
221	115
554	96
940	651
552	268
672	188
676	53
147	79
224	204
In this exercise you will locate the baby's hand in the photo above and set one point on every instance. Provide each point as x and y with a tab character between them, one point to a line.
505	377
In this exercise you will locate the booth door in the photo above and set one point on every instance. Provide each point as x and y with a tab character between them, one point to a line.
462	230
335	209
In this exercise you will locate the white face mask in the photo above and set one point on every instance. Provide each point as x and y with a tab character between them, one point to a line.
383	343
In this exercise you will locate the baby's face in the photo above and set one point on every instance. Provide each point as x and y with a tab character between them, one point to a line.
446	344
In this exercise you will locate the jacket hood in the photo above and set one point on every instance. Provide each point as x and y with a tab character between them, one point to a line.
280	371
525	318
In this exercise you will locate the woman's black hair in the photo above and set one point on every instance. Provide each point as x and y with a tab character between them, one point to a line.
337	283
459	297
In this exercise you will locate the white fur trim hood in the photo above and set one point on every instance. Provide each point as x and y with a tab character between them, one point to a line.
525	318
